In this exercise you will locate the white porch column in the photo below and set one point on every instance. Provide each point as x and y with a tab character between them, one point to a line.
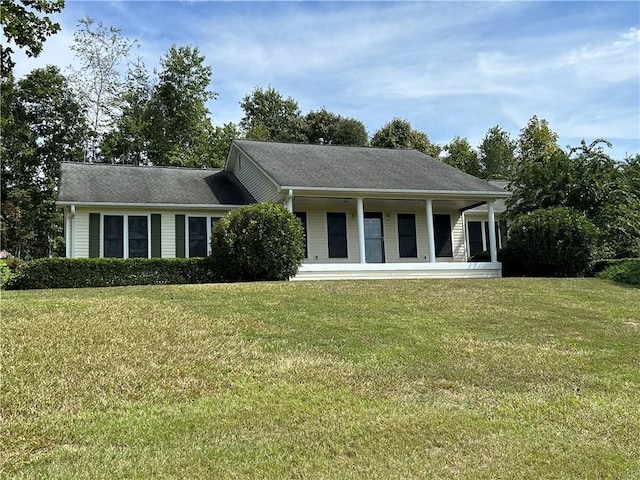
361	245
492	232
289	203
430	232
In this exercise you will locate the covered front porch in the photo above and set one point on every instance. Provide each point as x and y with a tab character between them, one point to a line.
375	236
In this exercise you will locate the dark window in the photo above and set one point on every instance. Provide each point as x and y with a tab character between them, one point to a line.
442	227
407	235
303	219
138	237
197	236
475	238
113	236
337	232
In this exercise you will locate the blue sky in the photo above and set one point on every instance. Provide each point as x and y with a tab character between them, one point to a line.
450	68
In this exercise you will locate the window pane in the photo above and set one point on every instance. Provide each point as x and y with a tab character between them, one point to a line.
475	237
407	235
442	227
197	236
113	236
138	237
337	230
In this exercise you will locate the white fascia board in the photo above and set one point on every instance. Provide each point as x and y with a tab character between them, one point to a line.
151	206
434	194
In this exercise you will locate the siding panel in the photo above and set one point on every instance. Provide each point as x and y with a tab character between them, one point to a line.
262	189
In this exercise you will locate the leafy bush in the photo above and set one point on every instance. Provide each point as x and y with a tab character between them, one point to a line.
555	241
262	241
109	272
625	271
5	273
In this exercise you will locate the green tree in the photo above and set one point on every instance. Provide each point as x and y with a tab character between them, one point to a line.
536	139
329	128
101	52
587	180
179	125
25	23
128	143
460	154
497	155
221	138
399	133
44	126
269	116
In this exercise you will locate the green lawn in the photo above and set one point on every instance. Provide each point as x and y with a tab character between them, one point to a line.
508	378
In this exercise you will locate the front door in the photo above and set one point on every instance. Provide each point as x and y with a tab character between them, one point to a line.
373	237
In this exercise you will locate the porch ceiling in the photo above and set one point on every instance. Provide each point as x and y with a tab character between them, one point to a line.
378	204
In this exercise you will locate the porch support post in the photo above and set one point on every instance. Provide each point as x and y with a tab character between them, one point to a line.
492	231
289	204
430	232
360	214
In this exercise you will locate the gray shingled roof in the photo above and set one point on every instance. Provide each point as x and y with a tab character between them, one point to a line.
102	183
342	167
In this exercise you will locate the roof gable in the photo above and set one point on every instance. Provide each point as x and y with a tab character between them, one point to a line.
304	166
124	184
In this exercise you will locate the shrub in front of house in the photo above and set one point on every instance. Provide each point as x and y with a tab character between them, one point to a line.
624	271
555	241
111	272
262	241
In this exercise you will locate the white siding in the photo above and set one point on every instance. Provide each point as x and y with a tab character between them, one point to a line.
259	186
457	237
168	232
80	229
318	241
81	233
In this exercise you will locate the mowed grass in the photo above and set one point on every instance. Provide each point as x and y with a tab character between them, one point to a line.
508	378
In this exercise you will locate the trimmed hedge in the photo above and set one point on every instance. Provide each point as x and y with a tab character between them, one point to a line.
625	271
112	272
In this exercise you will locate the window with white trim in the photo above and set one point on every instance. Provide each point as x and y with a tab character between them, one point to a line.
131	231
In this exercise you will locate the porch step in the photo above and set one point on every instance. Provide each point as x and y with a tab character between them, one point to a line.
382	271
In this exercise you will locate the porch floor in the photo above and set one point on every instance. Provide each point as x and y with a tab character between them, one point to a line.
346	271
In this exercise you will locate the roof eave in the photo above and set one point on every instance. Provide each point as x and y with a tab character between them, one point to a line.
395	193
181	206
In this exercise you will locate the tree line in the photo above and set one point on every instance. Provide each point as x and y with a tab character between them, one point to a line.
111	108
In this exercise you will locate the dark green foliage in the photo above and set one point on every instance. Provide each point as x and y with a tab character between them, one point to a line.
460	154
179	130
496	154
328	128
27	26
111	272
42	125
263	241
399	133
269	116
555	241
585	179
625	271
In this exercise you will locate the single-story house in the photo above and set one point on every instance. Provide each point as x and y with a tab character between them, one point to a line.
367	212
